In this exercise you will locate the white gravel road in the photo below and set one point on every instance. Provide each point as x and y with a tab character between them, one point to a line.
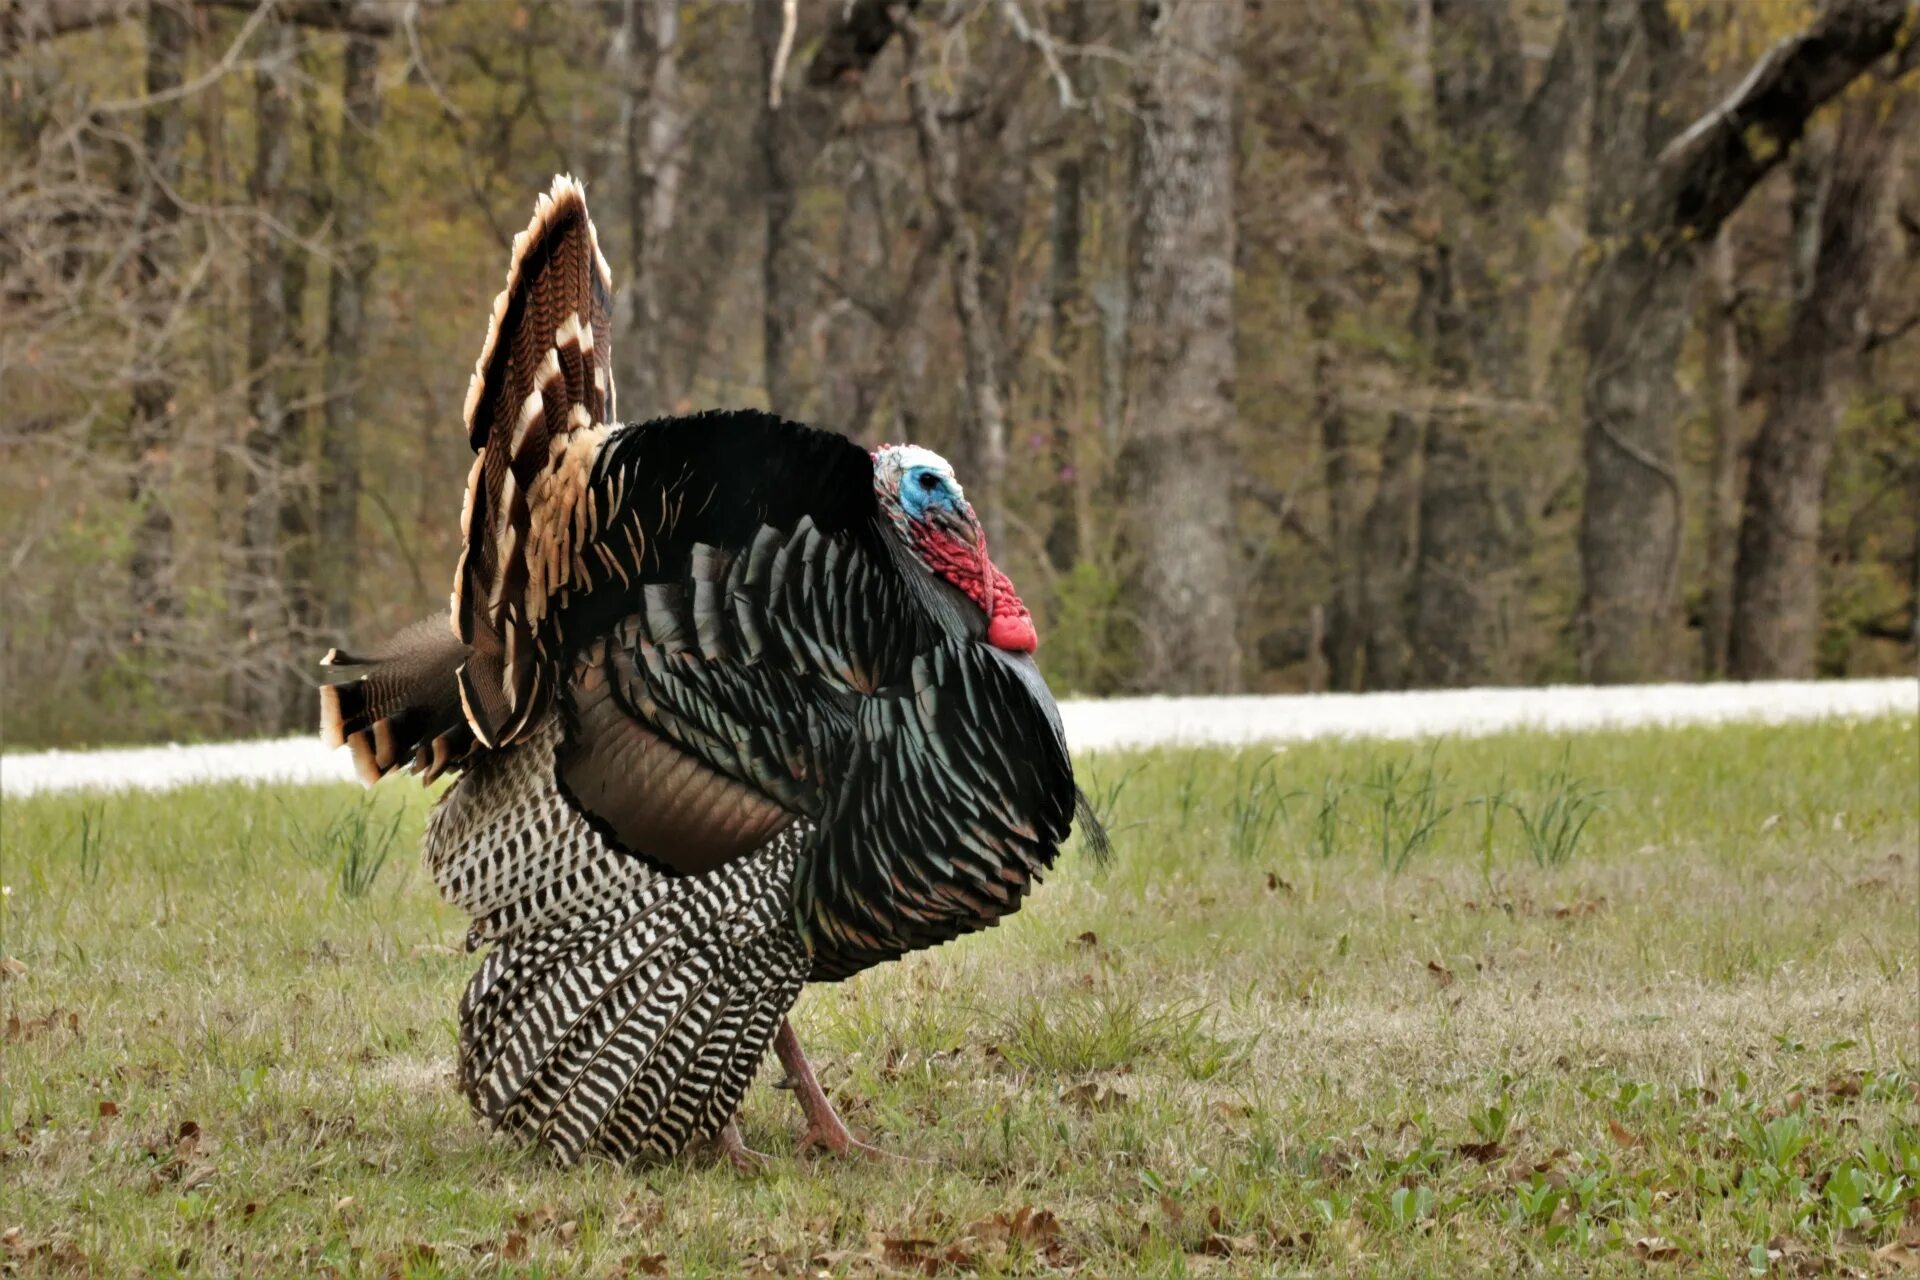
1108	724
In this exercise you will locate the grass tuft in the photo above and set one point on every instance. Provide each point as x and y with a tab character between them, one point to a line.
1557	815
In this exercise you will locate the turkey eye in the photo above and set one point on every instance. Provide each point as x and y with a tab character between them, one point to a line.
929	481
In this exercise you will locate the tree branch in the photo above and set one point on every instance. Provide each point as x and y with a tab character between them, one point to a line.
26	22
1705	172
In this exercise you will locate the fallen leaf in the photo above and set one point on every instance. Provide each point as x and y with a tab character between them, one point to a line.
1483	1152
1897	1256
1219	1246
1655	1249
514	1247
1623	1135
1094	1095
647	1264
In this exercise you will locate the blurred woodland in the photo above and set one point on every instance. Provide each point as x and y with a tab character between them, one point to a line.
1355	344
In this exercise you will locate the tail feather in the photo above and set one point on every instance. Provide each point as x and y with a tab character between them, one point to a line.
401	708
635	1032
536	413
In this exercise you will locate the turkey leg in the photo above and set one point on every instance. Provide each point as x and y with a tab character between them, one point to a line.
824	1126
730	1144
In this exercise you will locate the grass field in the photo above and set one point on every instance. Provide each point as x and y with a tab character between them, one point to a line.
1632	1003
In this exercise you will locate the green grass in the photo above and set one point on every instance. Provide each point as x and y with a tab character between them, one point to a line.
1620	1002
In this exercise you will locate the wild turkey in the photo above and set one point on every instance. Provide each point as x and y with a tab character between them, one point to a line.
736	705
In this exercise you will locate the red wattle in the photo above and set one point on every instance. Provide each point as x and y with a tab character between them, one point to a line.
1013	632
1009	624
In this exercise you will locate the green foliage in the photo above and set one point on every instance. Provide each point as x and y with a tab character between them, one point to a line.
1089	644
1409	809
355	841
1555	815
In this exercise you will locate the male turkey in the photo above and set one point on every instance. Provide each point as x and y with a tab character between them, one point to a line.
736	705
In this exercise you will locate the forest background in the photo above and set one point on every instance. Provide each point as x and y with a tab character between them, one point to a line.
1364	344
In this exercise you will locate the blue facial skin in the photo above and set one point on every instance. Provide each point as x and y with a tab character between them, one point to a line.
922	488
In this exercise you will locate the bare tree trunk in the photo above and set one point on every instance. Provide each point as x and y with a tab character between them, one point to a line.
1177	463
260	592
1386	553
1342	626
1065	394
150	432
942	165
355	189
1066	305
853	330
1776	607
790	139
782	277
1498	159
1650	207
1721	388
655	121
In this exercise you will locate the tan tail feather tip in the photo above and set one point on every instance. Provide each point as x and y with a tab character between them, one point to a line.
331	730
364	764
465	680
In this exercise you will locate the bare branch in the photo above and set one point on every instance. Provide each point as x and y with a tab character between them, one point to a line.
789	21
26	22
1041	40
1707	170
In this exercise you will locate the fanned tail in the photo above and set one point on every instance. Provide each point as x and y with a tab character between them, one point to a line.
401	705
634	1031
537	411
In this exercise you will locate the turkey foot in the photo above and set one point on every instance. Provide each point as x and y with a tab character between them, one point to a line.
741	1156
825	1128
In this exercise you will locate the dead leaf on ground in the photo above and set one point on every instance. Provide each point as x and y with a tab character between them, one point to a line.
1623	1135
1037	1229
1845	1085
646	1264
1482	1152
1655	1249
1094	1095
